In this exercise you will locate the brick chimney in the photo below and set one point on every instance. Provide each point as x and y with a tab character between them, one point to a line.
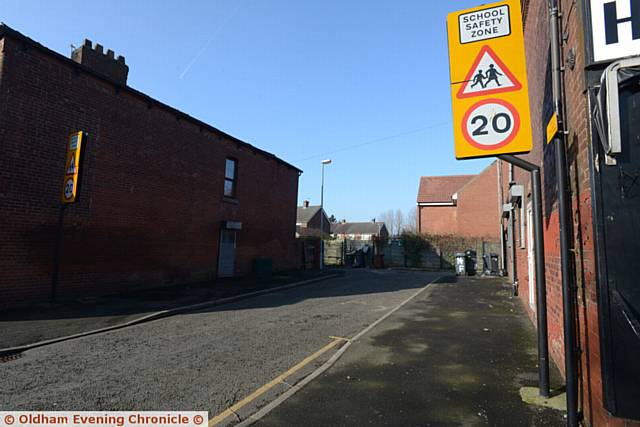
105	64
305	204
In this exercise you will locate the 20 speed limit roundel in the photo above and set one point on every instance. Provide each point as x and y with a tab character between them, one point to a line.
68	189
490	124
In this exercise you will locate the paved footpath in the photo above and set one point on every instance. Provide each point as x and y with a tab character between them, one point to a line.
207	360
457	355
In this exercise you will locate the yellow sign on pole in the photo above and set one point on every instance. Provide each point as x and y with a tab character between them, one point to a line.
552	128
72	167
488	74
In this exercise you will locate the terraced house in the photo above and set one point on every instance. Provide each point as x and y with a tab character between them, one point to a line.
163	198
594	320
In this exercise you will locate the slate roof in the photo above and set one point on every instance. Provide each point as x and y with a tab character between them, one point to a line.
357	227
439	189
304	215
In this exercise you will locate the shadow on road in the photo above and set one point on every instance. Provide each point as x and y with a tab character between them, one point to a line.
458	356
73	317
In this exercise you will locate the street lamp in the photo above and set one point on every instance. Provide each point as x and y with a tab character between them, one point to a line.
324	162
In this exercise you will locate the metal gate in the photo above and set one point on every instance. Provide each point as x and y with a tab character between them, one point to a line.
617	215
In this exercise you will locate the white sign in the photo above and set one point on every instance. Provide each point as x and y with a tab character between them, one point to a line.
68	189
73	144
615	28
490	124
484	24
233	225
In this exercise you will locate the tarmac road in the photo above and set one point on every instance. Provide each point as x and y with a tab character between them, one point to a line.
205	360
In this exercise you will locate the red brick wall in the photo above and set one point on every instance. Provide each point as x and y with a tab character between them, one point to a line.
150	207
439	220
537	51
478	207
476	215
315	223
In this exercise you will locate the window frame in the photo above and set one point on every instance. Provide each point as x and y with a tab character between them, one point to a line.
234	180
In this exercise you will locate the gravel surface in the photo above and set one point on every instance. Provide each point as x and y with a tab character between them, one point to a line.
204	360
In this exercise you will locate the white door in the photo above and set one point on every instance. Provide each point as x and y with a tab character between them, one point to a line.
531	257
227	254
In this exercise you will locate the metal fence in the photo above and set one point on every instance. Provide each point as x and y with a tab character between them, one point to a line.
438	255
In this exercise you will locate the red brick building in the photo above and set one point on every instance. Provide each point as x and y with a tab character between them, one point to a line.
464	205
604	228
164	197
310	219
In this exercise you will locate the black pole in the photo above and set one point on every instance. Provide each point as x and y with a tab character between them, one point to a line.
541	282
514	264
568	308
564	207
541	285
56	253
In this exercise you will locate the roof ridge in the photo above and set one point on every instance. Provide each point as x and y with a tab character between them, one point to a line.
477	176
448	176
439	189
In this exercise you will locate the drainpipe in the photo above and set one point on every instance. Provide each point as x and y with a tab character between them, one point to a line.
500	202
564	212
541	283
512	227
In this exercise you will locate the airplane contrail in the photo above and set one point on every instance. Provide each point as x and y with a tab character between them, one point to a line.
208	42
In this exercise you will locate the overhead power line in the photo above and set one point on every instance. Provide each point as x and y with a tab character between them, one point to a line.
374	141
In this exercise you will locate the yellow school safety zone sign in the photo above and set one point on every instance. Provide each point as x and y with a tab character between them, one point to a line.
72	167
489	92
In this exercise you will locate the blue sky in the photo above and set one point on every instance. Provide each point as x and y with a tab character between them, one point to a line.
364	83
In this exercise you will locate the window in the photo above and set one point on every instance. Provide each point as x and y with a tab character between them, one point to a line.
230	177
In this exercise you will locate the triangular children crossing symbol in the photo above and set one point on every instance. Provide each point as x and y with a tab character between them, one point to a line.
71	169
488	75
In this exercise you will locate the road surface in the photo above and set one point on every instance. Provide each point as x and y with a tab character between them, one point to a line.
205	360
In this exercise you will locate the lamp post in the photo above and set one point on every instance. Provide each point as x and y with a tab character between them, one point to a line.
324	162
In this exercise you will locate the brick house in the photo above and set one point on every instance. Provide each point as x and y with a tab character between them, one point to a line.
605	233
164	197
372	230
308	219
464	205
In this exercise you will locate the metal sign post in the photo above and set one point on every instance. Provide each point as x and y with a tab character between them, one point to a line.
541	283
69	195
491	116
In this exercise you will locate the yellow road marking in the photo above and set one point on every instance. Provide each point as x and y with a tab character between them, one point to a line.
280	378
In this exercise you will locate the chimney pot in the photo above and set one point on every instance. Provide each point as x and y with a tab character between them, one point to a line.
306	204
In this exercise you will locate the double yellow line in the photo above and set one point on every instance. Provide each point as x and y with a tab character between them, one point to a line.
277	380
